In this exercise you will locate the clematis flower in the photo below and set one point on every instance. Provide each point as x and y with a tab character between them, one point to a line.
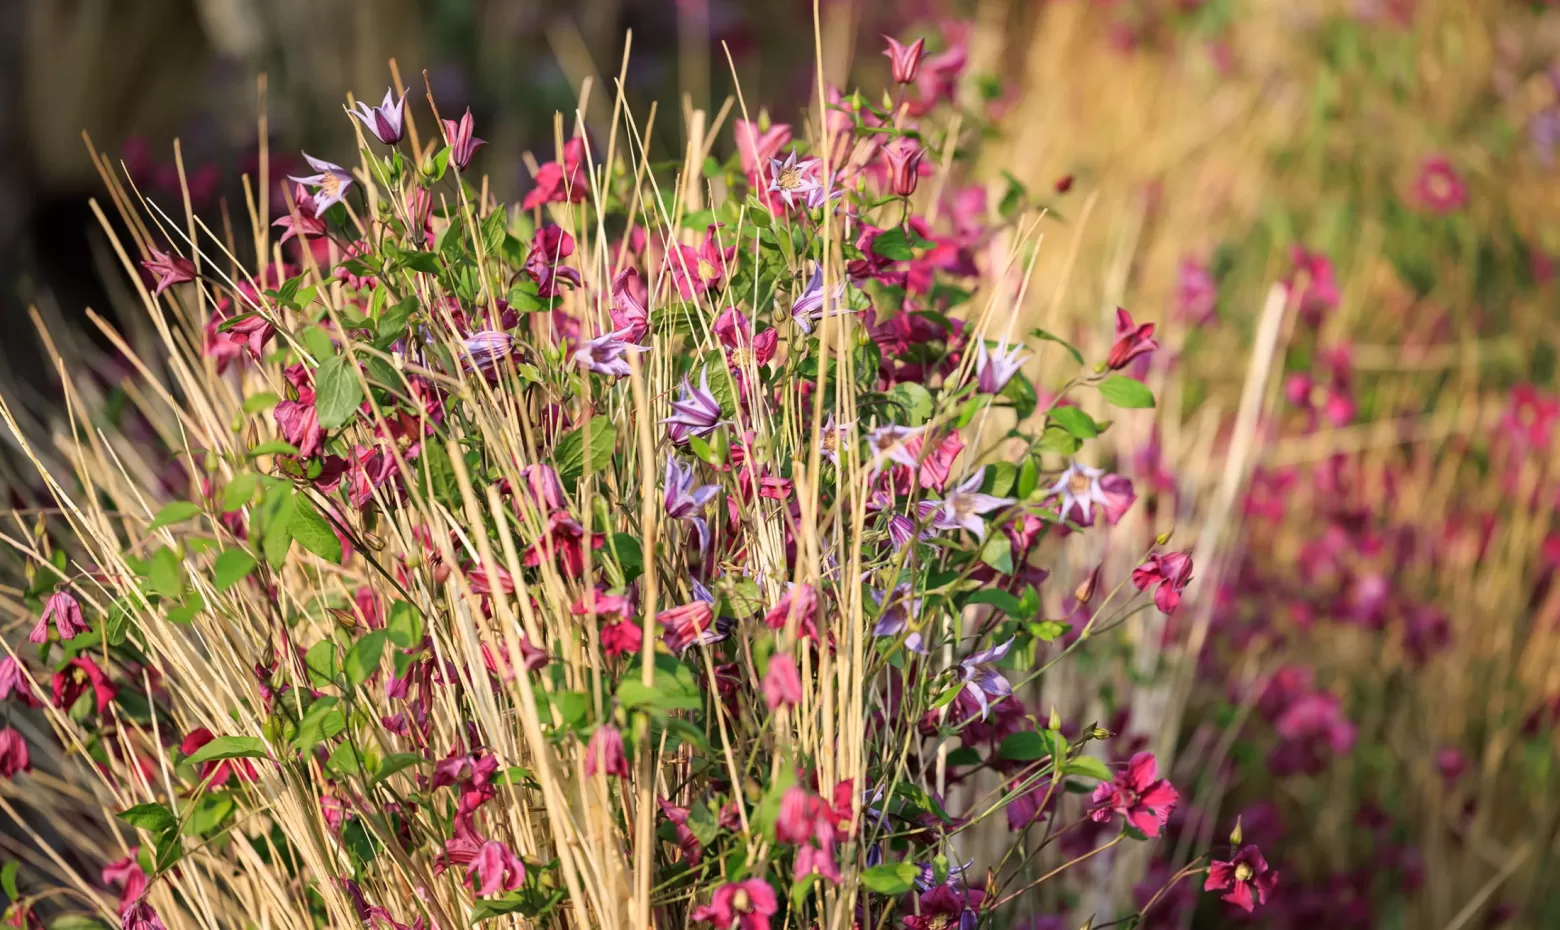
564	541
604	754
308	224
14	757
696	270
904	60
994	370
606	355
812	305
495	869
1314	278
1246	879
622	638
812	859
758	147
127	874
686	500
902	159
13	681
384	122
299	422
746	905
1171	571
890	443
330	182
1197	294
1080	488
782	683
742	345
963	507
799	601
981	679
695	412
791	179
462	143
169	269
829	438
72	681
1138	794
1439	188
629	315
140	916
947	907
692	849
64	612
1324	397
544	263
895	611
486	350
1132	340
561	181
691	624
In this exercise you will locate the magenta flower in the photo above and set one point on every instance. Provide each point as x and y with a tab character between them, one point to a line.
544	263
216	773
13	754
629	315
127	874
169	269
64	611
462	143
487	349
330	182
604	754
963	507
695	413
606	355
308	224
1132	341
902	159
1138	794
747	905
1316	283
736	335
816	860
695	271
904	60
140	916
1171	571
812	304
495	869
994	370
1438	187
561	181
1197	294
13	681
799	601
782	683
947	907
982	681
691	624
1328	398
758	147
1080	488
299	422
1246	879
384	122
891	443
72	681
791	179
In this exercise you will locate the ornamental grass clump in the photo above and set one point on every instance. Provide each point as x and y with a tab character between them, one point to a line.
664	552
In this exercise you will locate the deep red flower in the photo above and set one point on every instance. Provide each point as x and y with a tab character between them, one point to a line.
72	681
621	638
561	181
565	542
1314	279
1138	794
947	907
169	269
13	753
746	904
1171	571
1246	879
1132	340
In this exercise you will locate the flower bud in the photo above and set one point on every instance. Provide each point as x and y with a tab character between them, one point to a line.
904	60
903	160
1055	723
1236	835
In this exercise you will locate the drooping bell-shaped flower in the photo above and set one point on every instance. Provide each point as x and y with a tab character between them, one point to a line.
386	121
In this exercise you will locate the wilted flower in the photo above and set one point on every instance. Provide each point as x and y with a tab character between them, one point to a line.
1246	878
902	158
982	680
14	757
695	413
963	507
605	355
747	905
169	269
1132	340
385	120
605	752
1438	187
994	370
1171	571
782	683
64	611
904	60
462	143
792	179
1138	794
330	182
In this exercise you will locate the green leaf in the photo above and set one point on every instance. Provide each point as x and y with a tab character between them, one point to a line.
629	555
488	908
1028	478
337	392
493	232
893	245
151	816
273	447
363	657
275	517
1058	440
8	879
232	566
345	761
321	721
209	813
891	879
392	323
1074	421
998	553
964	755
1025	746
187	611
264	400
164	573
317	341
1088	767
76	922
569	454
229	747
239	491
999	599
915	399
1048	631
397	762
1126	392
314	532
320	663
175	512
405	625
1051	337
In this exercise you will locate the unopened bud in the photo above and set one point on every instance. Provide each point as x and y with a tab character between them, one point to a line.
1055	723
1235	834
1164	537
1100	733
1084	593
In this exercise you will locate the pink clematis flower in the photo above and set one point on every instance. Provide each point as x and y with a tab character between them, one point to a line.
1246	879
904	60
561	181
782	683
462	143
13	754
604	754
1132	340
1139	795
13	682
72	681
1438	188
696	270
902	159
1197	293
64	612
1314	279
169	269
1171	571
747	905
495	869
